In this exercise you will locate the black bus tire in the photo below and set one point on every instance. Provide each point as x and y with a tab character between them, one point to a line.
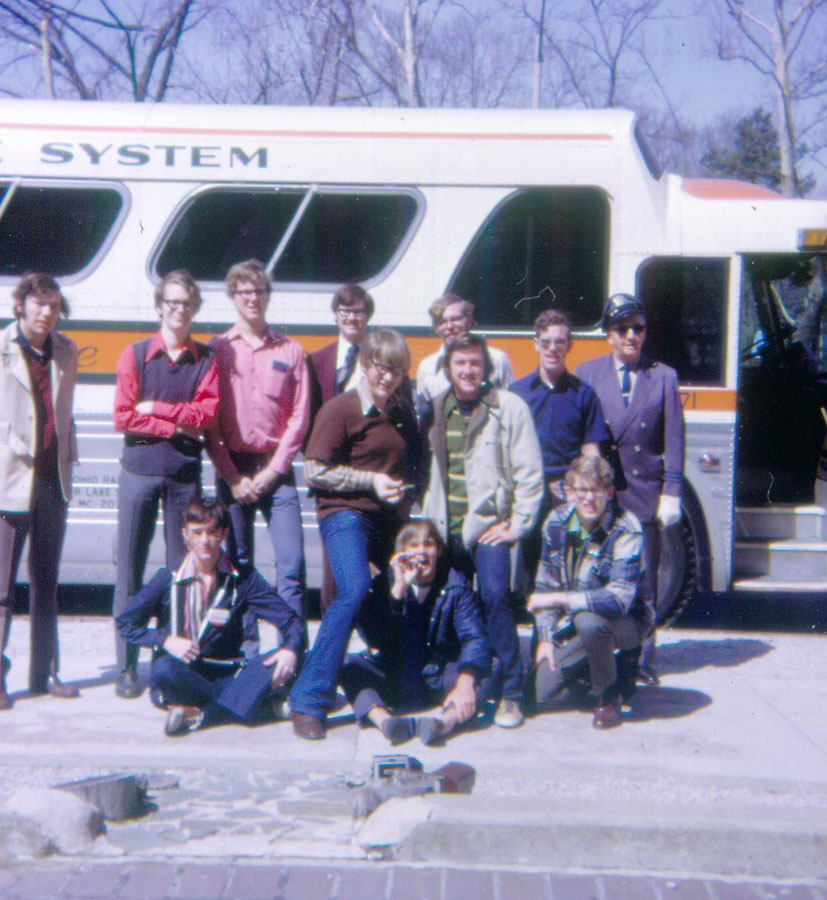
677	572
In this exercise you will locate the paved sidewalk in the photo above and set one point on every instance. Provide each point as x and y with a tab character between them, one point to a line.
722	770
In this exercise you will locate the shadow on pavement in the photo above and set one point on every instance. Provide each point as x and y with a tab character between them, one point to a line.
666	703
690	655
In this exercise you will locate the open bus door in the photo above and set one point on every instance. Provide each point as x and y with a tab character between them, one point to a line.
781	528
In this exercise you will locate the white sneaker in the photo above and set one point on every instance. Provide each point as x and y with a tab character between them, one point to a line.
508	714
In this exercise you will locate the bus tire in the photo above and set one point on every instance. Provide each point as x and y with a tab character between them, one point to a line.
678	570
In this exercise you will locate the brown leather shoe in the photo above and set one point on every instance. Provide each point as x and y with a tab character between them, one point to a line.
57	688
308	727
607	715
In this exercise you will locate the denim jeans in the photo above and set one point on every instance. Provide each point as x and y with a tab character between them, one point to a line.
281	511
352	540
492	564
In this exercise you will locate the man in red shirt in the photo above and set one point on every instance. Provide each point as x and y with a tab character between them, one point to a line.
264	414
165	399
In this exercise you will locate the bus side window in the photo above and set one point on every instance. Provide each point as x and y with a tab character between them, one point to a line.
341	234
59	230
539	248
686	302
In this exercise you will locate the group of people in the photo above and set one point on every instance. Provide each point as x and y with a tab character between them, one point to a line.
553	489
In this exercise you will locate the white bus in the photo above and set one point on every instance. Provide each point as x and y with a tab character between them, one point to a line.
515	210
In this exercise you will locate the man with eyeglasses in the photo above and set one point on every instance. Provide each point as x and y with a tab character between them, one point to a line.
566	414
166	398
589	576
333	370
642	408
261	424
452	316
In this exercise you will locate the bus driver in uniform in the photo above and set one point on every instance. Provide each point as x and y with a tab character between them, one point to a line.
37	449
642	407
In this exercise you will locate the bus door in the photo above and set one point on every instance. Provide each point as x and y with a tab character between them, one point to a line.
782	390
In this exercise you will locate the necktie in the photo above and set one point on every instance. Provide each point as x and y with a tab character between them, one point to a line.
344	372
625	384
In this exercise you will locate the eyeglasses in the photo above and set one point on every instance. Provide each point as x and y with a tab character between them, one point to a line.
351	313
384	371
547	343
582	492
623	329
250	293
184	305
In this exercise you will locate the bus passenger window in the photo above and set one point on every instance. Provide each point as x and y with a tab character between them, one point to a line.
539	248
335	234
222	227
58	230
346	237
686	303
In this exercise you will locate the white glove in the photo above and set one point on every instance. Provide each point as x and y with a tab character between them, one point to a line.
669	510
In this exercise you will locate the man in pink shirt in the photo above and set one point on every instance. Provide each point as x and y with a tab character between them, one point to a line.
262	420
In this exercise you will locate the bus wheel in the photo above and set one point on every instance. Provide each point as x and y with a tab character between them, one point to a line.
677	572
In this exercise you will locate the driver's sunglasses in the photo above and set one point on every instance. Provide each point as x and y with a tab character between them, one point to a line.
623	329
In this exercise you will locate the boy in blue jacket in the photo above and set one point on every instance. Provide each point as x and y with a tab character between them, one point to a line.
205	666
429	645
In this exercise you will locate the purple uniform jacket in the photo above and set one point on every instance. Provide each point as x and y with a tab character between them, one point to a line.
647	436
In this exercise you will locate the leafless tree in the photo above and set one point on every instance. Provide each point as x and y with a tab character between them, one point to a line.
784	41
97	49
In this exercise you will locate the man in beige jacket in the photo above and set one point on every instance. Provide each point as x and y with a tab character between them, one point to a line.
38	370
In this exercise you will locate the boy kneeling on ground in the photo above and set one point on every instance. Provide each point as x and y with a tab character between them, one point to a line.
590	572
205	666
430	647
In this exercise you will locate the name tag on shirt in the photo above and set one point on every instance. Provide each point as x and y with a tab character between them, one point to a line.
279	364
219	617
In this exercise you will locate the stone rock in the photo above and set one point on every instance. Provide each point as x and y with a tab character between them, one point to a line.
71	824
393	821
21	839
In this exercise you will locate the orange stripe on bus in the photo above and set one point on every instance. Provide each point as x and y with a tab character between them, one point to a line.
99	352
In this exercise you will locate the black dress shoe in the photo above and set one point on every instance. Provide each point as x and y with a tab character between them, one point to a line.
127	685
308	727
57	688
647	676
607	715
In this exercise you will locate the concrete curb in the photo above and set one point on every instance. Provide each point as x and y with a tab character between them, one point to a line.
736	841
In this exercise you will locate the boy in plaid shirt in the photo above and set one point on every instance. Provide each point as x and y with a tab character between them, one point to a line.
590	572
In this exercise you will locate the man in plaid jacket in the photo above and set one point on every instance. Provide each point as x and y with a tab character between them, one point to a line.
589	574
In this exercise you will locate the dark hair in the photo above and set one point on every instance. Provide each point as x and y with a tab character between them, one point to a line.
37	284
468	341
205	511
549	317
183	278
250	270
350	295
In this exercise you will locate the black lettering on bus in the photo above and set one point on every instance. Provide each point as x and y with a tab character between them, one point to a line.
236	153
133	155
61	152
169	152
205	157
87	357
94	154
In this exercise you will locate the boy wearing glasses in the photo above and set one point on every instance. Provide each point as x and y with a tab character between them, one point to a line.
590	573
166	398
642	407
566	414
261	424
